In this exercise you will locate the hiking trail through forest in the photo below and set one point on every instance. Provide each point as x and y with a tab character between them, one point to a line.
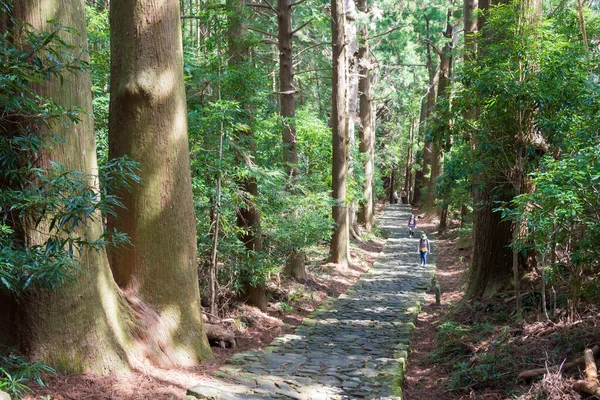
354	346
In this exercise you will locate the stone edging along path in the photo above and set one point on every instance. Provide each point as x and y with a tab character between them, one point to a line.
352	347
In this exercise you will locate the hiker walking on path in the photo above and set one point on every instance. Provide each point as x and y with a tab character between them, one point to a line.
395	197
424	248
404	197
412	225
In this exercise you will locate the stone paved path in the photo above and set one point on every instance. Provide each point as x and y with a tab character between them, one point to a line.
351	347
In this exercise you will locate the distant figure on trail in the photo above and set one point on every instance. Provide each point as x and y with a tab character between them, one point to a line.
412	225
395	197
404	197
424	248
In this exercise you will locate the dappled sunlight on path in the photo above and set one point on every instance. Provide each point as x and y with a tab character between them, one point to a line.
351	347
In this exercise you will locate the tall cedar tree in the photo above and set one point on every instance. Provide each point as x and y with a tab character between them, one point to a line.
366	131
81	325
339	119
148	122
248	215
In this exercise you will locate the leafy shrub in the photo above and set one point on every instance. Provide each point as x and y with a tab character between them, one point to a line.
16	373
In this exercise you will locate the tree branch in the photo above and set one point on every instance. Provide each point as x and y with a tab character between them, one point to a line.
260	5
302	26
433	46
269	41
263	32
386	32
298	2
312	70
311	47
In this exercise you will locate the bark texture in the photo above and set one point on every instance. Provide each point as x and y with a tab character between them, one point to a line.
248	215
366	132
340	240
419	173
148	123
429	154
286	87
84	325
491	266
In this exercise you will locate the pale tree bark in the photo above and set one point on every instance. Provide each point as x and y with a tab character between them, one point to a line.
83	325
366	132
353	82
339	250
409	160
148	123
248	216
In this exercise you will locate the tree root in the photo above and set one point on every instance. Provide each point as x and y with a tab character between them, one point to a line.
590	385
217	335
526	375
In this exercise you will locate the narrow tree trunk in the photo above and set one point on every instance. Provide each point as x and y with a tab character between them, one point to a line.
366	133
148	122
286	88
429	150
443	219
352	81
419	174
409	156
83	325
392	183
340	240
248	216
445	71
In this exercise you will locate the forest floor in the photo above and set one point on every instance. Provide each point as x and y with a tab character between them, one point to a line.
470	350
289	303
475	350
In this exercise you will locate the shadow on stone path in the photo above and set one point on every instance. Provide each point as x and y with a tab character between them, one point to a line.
351	347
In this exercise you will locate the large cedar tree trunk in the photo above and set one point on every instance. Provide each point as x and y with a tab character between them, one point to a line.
491	265
82	325
339	118
148	123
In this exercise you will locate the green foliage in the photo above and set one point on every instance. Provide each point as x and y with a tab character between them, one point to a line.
99	51
230	108
285	307
459	348
37	199
450	339
16	374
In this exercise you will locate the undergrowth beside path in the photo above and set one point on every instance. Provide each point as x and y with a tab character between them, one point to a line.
475	350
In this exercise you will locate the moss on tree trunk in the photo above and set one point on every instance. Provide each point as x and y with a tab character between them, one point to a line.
148	123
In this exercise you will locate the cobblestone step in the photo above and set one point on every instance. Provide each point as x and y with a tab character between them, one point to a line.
352	347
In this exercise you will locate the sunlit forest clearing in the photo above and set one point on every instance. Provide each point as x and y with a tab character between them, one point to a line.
299	199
